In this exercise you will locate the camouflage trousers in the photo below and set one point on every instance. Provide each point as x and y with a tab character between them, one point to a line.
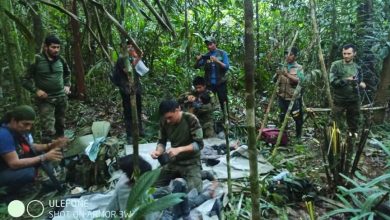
52	117
348	110
208	129
190	173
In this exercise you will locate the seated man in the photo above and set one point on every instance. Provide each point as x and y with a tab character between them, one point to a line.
200	102
18	160
183	130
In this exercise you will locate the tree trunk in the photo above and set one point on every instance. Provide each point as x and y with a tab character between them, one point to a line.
38	30
78	58
382	96
257	35
249	67
13	52
334	30
365	43
134	112
320	54
187	32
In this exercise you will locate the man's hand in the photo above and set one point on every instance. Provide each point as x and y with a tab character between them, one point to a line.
281	72
191	98
156	153
174	151
41	94
198	57
362	85
67	90
54	155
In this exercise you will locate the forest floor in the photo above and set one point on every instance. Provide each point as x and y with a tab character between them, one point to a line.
279	200
302	159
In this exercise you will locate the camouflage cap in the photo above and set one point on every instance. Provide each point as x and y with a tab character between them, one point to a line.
209	39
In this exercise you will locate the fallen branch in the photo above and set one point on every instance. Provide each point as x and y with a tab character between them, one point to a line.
328	109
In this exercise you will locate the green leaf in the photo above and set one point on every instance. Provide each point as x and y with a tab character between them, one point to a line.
158	205
361	216
377	180
344	201
371	200
384	216
355	200
339	211
350	180
140	188
360	176
100	129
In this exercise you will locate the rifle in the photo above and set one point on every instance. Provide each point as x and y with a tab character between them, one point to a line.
48	169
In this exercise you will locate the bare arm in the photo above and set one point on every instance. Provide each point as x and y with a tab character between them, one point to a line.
14	162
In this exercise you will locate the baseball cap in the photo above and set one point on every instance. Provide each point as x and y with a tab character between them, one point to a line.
209	39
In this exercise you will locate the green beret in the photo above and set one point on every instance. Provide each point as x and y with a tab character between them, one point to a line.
23	113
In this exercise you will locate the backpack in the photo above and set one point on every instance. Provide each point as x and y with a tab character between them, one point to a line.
64	64
270	136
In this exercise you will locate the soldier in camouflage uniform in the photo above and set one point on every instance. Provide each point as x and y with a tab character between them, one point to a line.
201	103
49	79
345	80
184	132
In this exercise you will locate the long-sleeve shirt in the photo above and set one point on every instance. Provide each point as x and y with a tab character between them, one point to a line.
344	90
48	75
187	131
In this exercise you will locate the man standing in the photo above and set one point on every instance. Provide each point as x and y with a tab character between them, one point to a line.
18	162
49	79
184	132
121	76
345	80
288	80
216	65
200	103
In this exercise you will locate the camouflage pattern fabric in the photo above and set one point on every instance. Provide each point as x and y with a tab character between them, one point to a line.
203	111
352	114
191	173
52	117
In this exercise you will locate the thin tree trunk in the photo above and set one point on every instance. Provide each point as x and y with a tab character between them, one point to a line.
133	106
166	18
133	99
257	35
37	29
297	92
88	27
334	30
320	54
249	67
78	58
100	31
228	170
13	51
158	17
187	32
382	96
365	41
